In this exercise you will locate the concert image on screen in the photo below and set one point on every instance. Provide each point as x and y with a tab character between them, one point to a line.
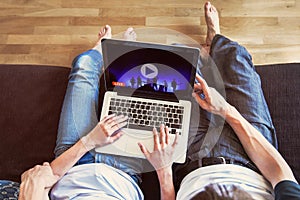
150	70
151	77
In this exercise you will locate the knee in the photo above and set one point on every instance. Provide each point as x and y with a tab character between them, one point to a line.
90	60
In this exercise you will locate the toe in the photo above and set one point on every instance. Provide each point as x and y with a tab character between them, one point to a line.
213	9
207	6
108	29
130	29
105	32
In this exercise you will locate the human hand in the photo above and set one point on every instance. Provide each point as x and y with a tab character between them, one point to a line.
163	152
42	174
209	98
107	131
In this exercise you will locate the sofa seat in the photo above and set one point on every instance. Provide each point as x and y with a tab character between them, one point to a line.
31	97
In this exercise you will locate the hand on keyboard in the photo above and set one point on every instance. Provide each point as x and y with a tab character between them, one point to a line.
162	155
107	131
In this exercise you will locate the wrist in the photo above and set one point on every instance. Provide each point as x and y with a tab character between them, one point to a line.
165	177
232	115
165	173
88	143
228	111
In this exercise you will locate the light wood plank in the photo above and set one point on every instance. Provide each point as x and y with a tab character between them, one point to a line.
65	12
136	12
163	21
276	8
66	30
59	49
129	21
51	39
189	12
17	29
33	21
14	49
3	38
29	3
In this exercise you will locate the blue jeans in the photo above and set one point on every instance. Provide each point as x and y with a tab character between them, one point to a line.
80	113
211	136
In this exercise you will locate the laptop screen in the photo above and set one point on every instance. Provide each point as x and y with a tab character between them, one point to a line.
151	70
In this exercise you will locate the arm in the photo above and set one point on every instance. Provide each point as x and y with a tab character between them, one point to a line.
100	136
165	177
37	182
162	159
269	161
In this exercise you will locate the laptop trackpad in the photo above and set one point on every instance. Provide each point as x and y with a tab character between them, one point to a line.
144	137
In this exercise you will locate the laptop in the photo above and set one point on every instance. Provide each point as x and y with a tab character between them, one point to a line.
151	84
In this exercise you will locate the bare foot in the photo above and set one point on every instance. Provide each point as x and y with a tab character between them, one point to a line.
105	32
129	34
212	22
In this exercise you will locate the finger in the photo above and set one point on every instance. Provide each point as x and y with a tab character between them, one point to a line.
103	128
162	136
117	127
203	83
112	124
198	98
120	118
24	175
116	136
198	90
36	167
167	135
108	117
122	124
202	102
175	143
197	87
144	150
156	139
115	120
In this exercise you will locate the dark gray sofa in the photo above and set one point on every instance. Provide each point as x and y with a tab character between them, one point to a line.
31	99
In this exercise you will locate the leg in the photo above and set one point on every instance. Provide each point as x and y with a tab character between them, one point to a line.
242	90
241	82
81	97
80	109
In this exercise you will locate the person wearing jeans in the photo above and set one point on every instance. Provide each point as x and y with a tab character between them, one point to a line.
240	159
78	171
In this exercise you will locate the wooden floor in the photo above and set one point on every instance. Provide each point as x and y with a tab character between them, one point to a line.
54	31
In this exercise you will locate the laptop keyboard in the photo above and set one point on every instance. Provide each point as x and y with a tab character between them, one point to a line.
145	115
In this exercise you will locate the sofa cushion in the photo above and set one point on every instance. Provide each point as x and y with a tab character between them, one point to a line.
31	99
281	87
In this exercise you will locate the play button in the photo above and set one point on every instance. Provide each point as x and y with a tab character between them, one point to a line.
149	71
